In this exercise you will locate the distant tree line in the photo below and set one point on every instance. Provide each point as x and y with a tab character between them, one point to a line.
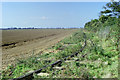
14	28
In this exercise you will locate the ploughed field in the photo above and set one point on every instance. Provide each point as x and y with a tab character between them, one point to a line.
17	44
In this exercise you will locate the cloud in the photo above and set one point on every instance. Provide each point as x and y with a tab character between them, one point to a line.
44	17
41	18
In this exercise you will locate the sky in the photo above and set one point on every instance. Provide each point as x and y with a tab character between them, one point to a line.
49	14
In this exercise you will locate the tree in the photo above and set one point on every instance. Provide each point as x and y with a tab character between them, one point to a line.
103	18
112	9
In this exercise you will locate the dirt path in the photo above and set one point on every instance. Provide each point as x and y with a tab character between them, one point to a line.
11	55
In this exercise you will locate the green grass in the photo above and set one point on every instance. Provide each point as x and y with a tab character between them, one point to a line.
101	58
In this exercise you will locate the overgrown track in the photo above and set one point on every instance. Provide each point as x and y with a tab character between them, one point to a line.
30	75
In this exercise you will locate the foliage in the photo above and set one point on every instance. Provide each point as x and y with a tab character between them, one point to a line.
103	21
112	9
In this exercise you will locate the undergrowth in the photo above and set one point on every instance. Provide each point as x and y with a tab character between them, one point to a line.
101	60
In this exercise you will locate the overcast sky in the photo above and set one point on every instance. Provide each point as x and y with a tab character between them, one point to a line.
49	14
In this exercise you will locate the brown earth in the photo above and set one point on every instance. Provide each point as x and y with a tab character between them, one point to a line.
19	44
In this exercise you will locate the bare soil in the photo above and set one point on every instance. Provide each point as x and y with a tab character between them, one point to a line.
17	44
